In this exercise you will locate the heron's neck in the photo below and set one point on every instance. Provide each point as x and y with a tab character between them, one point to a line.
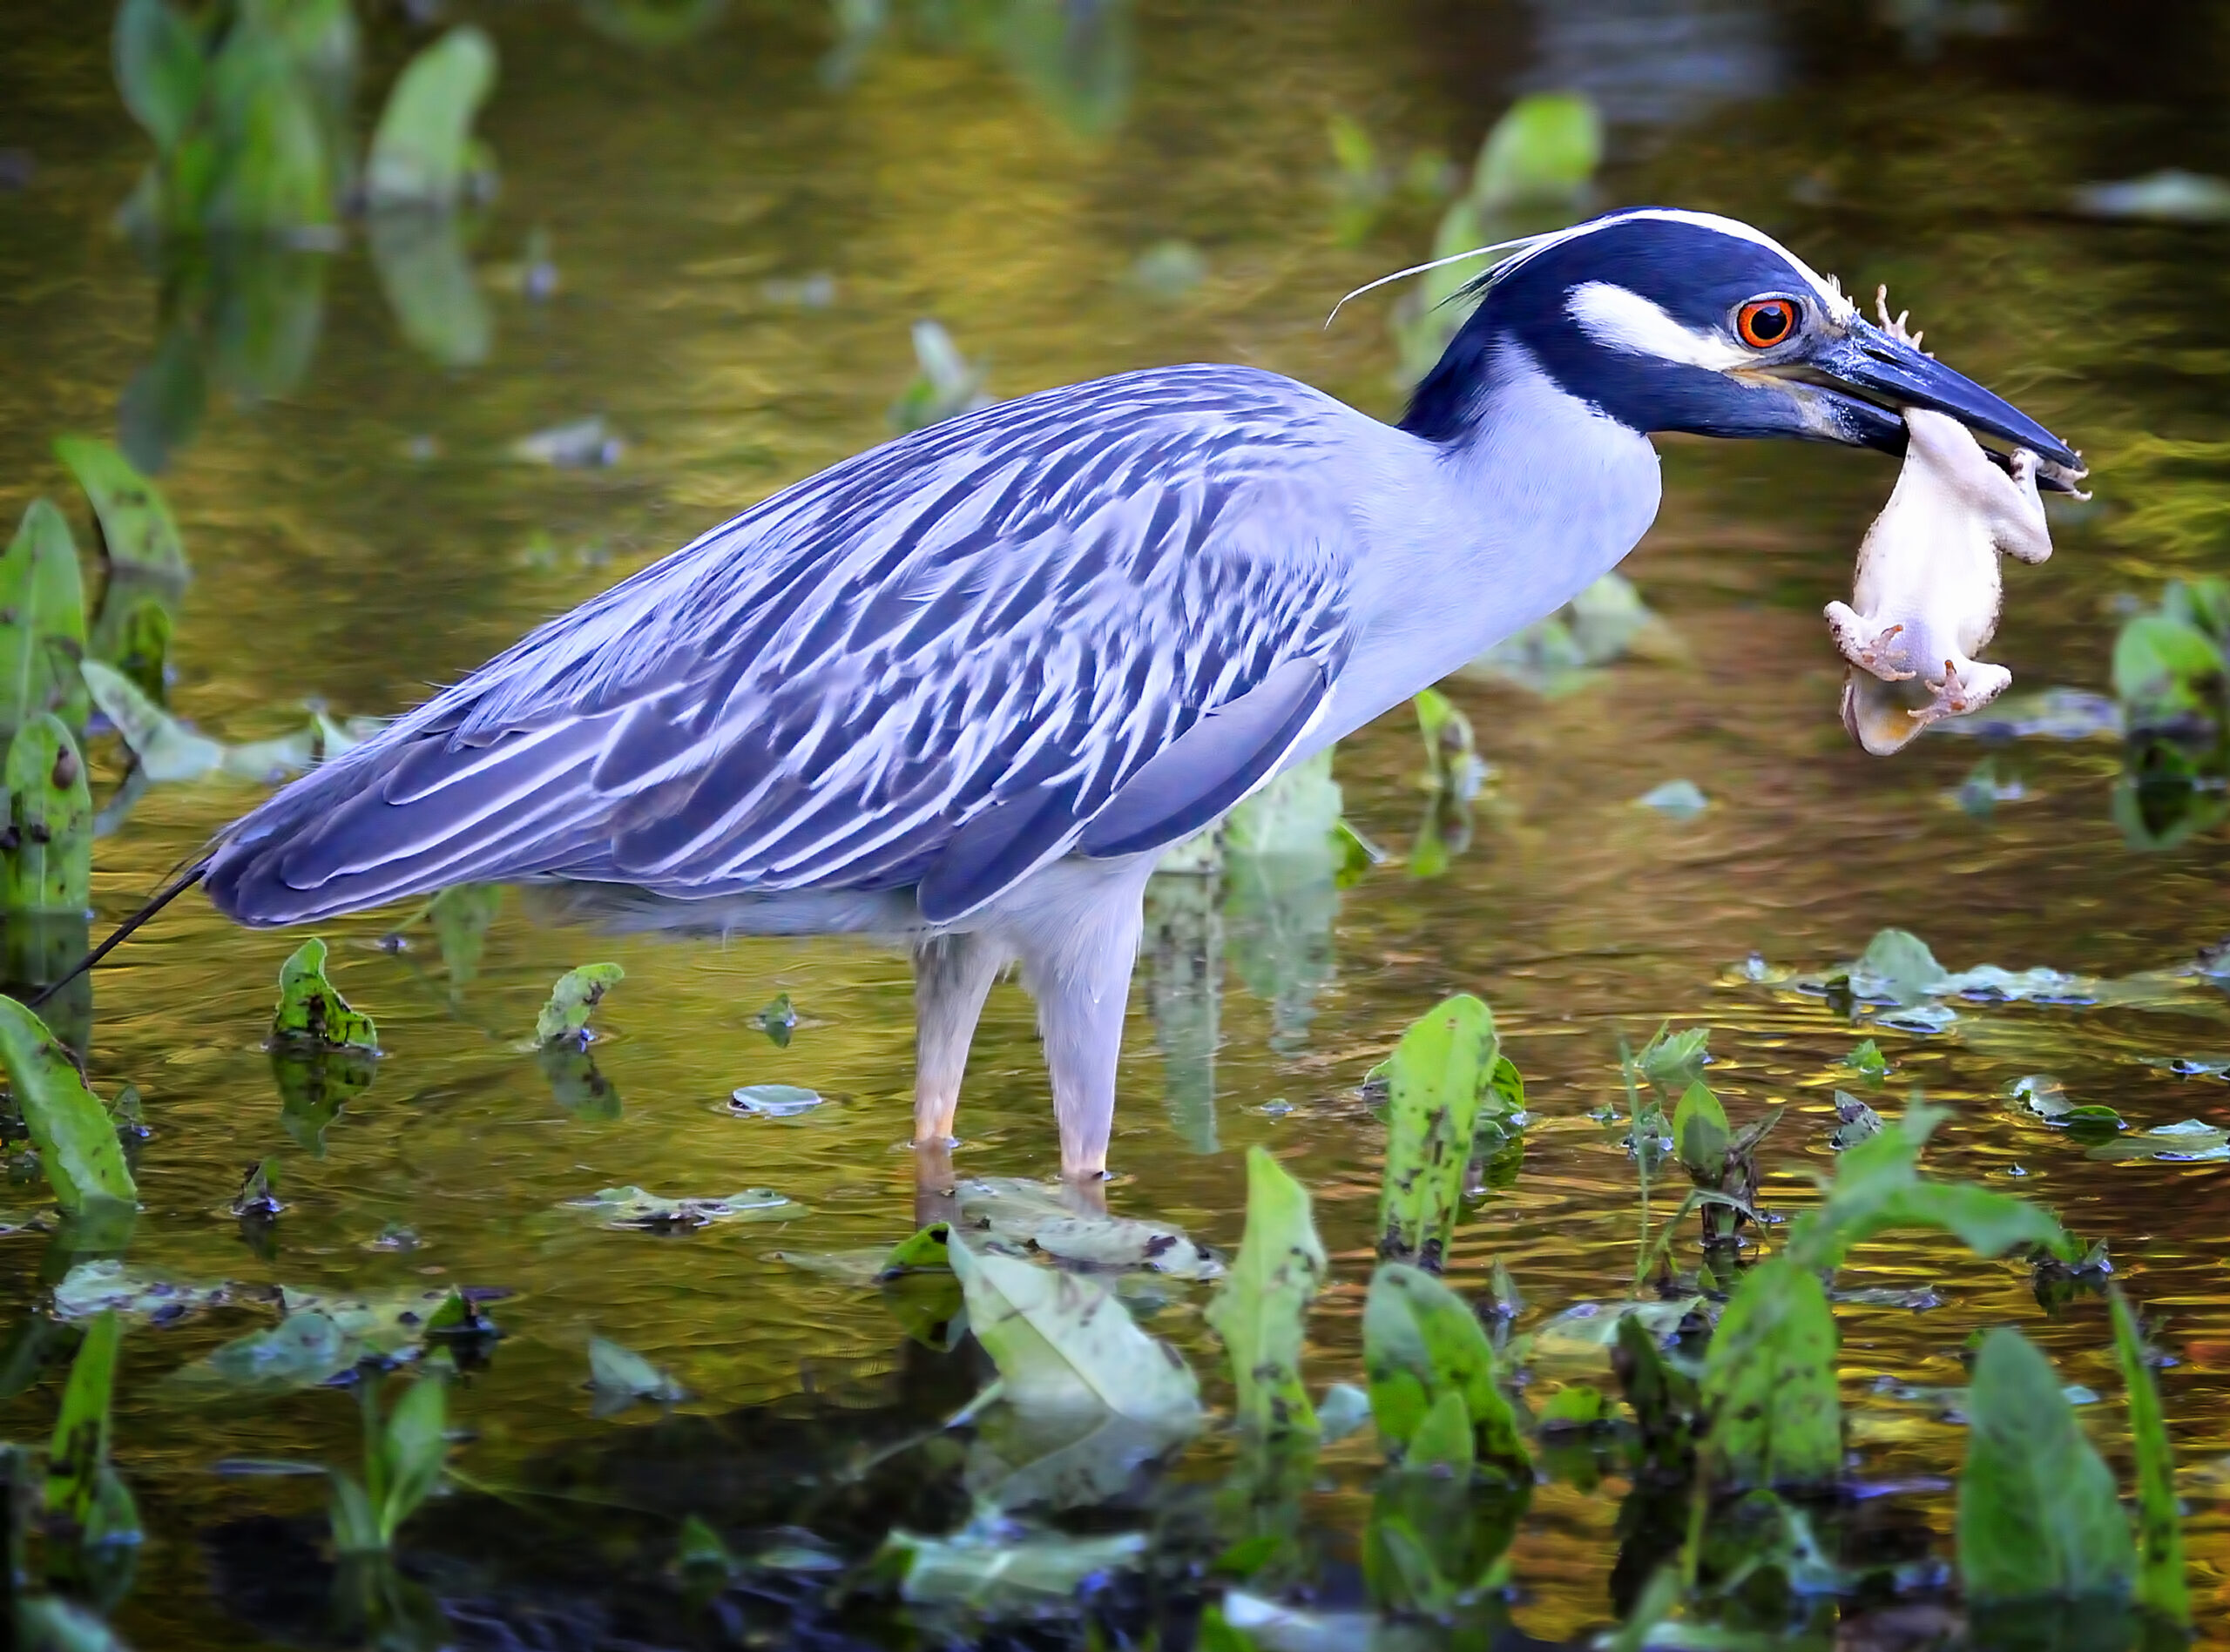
1478	536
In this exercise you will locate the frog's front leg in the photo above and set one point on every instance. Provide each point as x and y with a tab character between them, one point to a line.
2020	530
1868	643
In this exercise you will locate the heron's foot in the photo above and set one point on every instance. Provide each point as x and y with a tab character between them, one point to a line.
935	1187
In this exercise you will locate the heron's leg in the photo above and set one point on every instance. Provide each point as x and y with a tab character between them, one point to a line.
1079	972
952	975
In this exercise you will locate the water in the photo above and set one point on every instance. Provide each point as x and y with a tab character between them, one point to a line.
742	247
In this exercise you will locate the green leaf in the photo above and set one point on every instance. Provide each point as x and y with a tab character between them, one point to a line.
1262	1308
1434	1079
924	1253
620	1373
701	1547
420	153
431	284
77	1143
52	1623
42	622
630	1207
47	863
2037	1513
1700	1134
1867	1062
159	69
414	1446
355	1524
137	641
462	915
1878	1188
1577	1405
1545	148
310	1010
2158	659
573	1000
1672	1062
167	750
1420	1340
1063	1341
137	529
271	168
1855	1122
2163	1585
78	1457
1769	1380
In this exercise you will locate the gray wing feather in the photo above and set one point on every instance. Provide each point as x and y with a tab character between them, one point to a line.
1092	618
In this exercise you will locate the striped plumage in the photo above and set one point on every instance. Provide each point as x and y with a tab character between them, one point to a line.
963	686
935	664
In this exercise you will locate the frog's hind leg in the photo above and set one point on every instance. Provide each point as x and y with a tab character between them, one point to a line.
1968	685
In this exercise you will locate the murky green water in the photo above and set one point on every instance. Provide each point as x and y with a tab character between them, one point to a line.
366	532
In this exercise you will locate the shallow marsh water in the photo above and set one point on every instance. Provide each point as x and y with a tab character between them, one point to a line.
368	531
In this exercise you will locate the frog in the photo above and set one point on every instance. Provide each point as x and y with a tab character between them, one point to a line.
1929	590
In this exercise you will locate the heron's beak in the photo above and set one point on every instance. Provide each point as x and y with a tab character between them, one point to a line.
1857	383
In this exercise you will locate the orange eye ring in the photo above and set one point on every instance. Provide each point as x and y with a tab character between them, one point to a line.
1763	323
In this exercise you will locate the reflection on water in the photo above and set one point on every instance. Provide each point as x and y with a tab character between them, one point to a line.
340	427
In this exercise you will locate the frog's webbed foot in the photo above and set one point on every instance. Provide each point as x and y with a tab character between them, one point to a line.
1896	328
1867	643
1968	685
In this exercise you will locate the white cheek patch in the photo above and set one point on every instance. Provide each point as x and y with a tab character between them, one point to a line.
1618	318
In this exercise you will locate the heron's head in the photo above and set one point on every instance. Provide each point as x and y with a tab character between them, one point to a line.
1676	321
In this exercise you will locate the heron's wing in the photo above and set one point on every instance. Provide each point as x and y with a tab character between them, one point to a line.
1092	620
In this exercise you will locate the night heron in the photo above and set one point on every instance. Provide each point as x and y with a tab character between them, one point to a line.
963	688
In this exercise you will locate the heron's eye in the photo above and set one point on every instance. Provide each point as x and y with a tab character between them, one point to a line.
1766	322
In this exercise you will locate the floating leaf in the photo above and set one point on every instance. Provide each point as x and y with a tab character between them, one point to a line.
1575	1406
996	1572
773	1101
1434	1079
1897	967
948	383
583	444
630	1207
1064	1342
1856	1121
312	1012
2163	1588
46	855
2190	1141
1260	1309
137	529
422	152
1676	799
2037	1513
106	1285
137	641
1769	1380
573	1000
2047	1098
1423	1346
42	623
78	1149
621	1375
2170	196
1028	1213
